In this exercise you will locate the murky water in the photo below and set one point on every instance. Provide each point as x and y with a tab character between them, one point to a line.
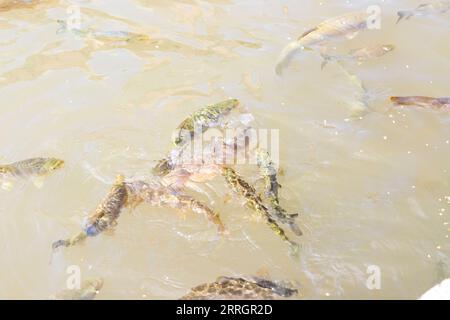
371	191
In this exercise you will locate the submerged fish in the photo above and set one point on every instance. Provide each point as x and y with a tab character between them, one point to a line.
104	217
107	36
421	101
31	167
203	119
360	55
35	168
424	10
269	173
88	291
230	288
156	194
254	201
347	26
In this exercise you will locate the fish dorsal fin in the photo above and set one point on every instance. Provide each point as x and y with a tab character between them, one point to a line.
307	32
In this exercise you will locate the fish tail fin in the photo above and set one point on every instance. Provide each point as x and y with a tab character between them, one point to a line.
279	69
293	225
403	15
294	249
59	243
286	56
295	228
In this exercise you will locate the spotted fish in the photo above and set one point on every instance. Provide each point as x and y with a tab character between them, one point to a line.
158	195
35	168
31	167
229	288
254	201
269	173
203	119
104	217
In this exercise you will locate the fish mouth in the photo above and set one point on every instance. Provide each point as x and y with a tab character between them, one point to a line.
57	164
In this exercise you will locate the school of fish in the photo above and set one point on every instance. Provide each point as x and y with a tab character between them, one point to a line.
165	185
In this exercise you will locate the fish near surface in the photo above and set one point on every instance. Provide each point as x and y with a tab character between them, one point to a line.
422	101
30	168
254	201
104	36
360	55
205	118
269	173
345	26
158	195
104	217
425	9
88	291
230	288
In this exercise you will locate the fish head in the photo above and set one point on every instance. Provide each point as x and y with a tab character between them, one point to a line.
178	140
53	164
4	169
230	104
163	167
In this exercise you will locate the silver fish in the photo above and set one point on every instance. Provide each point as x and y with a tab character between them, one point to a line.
426	9
360	55
345	26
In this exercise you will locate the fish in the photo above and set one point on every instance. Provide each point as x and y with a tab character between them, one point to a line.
360	55
254	201
31	167
239	288
424	10
203	119
104	217
88	291
106	36
269	174
345	26
158	195
422	101
34	168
